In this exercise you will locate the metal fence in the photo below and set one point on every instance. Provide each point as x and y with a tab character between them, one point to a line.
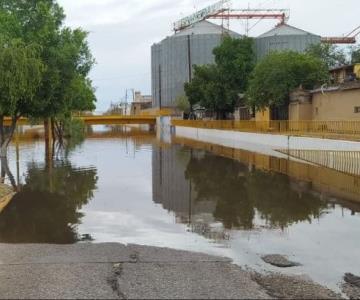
343	161
338	129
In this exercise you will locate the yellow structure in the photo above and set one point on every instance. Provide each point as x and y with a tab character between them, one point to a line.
340	104
118	120
158	112
263	115
357	70
300	107
335	103
103	120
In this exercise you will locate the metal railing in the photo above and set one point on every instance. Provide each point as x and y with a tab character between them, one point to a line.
343	161
338	129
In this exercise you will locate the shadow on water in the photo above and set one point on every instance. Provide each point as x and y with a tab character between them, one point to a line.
46	207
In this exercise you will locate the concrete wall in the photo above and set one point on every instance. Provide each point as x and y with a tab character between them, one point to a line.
164	129
338	105
264	143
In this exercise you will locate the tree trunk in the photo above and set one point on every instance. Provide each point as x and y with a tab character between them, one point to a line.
59	131
6	139
48	139
6	170
1	129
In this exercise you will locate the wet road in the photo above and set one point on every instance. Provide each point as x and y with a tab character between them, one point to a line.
130	188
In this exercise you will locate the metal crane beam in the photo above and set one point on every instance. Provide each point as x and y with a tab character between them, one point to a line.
348	39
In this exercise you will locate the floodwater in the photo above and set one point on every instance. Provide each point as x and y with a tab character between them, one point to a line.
129	187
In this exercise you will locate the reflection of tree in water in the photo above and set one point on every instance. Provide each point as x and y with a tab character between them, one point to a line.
279	203
46	208
239	192
222	180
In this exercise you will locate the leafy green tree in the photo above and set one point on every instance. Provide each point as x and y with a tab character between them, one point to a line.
355	55
64	86
217	87
208	90
183	104
277	74
20	77
331	55
235	60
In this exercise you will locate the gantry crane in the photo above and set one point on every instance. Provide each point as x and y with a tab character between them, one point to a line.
221	10
347	39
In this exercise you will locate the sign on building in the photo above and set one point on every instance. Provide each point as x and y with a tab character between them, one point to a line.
200	15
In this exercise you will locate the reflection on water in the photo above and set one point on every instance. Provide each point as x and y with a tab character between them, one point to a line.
202	188
238	192
46	210
343	161
125	186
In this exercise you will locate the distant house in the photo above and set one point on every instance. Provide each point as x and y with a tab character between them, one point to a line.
341	102
345	73
338	102
140	103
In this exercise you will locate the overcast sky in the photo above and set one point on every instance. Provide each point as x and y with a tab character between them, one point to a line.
122	32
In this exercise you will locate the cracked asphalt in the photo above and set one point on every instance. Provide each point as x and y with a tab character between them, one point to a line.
116	271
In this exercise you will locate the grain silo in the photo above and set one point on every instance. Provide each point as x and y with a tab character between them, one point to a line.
284	37
174	57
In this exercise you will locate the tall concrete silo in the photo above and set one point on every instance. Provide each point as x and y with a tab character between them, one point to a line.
284	37
174	57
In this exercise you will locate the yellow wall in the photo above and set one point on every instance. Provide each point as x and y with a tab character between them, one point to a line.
337	105
300	111
357	70
263	115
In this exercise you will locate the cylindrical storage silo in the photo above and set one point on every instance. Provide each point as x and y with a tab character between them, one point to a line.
174	57
284	37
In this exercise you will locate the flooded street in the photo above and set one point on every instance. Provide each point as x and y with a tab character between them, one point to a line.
129	187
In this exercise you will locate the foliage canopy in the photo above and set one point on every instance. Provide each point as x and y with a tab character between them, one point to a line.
217	86
45	65
277	74
331	55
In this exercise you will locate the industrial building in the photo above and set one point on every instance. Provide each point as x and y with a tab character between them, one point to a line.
284	37
174	57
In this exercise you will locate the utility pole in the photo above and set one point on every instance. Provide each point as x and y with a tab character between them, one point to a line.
126	101
189	58
160	104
